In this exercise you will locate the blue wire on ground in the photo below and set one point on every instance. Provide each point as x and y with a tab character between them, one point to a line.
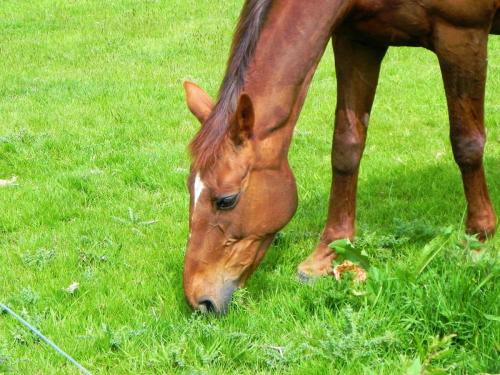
45	339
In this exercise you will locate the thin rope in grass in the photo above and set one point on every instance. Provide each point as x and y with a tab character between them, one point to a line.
45	339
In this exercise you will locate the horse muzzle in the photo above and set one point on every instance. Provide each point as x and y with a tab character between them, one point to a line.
215	300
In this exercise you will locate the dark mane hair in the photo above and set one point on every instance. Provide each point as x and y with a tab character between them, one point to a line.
207	144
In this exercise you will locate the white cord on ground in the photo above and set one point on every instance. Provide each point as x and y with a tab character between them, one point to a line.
45	339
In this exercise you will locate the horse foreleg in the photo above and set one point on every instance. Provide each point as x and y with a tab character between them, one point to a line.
462	56
357	69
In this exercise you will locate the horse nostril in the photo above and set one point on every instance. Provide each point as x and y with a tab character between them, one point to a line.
206	305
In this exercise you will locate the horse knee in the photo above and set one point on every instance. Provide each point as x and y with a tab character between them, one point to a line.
347	151
468	150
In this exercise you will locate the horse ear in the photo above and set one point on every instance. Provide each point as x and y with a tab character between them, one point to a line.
198	101
242	127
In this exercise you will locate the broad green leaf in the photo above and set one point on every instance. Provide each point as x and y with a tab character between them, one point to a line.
340	246
346	251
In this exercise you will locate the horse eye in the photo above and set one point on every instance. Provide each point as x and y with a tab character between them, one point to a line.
226	203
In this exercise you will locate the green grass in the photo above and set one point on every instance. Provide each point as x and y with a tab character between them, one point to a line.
93	123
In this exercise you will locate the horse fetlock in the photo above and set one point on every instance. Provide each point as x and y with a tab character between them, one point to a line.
319	263
482	224
346	231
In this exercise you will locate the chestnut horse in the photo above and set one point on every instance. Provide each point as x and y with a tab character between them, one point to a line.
242	189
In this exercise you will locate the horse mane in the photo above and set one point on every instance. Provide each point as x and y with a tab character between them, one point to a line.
208	142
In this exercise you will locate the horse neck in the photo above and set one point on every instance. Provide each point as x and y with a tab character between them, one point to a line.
290	45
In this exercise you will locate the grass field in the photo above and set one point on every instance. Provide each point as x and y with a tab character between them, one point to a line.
94	125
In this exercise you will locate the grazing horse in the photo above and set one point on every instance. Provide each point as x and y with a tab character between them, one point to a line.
242	189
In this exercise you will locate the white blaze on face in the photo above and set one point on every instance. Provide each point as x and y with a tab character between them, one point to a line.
198	188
